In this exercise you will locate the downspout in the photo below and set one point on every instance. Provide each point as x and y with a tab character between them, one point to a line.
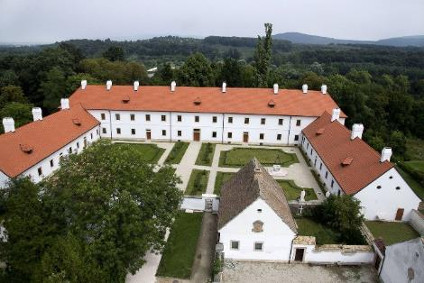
110	124
288	136
291	249
170	126
223	123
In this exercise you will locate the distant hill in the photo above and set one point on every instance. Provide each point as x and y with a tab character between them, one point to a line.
302	38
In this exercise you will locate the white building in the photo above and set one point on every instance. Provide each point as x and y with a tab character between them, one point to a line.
348	165
35	149
254	219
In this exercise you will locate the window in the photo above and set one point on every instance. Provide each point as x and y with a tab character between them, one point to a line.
258	246
147	117
261	136
391	177
196	119
332	183
103	116
320	165
278	137
118	131
214	134
311	151
163	118
230	120
117	117
179	118
263	121
234	245
132	131
280	122
296	137
163	132
230	135
397	188
91	136
77	144
297	122
326	174
259	210
104	131
214	119
51	163
378	187
246	120
179	133
70	150
40	171
132	117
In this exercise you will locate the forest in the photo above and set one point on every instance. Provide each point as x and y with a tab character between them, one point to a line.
379	86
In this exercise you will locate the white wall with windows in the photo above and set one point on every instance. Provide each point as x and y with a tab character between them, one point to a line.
242	242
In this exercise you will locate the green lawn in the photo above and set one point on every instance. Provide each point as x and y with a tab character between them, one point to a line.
238	157
177	153
180	249
197	183
323	235
151	152
415	149
418	165
205	156
415	186
221	178
391	232
292	191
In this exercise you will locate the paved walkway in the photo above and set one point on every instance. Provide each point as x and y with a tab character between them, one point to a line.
168	147
187	163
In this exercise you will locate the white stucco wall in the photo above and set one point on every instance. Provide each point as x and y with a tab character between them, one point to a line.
3	179
384	202
276	236
332	256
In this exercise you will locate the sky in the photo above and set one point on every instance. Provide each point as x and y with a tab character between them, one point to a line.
46	21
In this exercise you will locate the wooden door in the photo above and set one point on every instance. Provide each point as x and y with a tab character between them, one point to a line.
399	214
246	137
196	135
148	135
299	255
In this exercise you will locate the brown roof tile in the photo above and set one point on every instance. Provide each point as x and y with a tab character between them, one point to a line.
353	163
250	183
205	100
35	141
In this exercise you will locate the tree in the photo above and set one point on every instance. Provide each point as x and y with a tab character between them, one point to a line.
196	71
53	88
263	56
231	73
114	53
11	93
20	112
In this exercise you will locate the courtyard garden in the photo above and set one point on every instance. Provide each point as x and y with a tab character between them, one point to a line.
323	234
177	153
178	256
150	153
238	157
221	178
292	191
197	183
392	232
205	156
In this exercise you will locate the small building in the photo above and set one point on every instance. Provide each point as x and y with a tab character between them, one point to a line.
404	262
348	165
254	218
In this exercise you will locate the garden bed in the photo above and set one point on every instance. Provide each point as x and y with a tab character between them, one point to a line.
197	183
177	153
292	191
238	157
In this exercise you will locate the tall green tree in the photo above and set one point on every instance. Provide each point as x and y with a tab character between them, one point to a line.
263	56
20	112
114	53
53	88
196	71
11	93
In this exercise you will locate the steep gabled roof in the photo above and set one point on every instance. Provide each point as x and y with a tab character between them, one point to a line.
33	142
205	100
353	163
249	184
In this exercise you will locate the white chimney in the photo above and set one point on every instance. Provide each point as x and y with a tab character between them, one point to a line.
83	84
136	85
305	88
173	86
37	114
336	114
324	89
64	103
108	84
224	87
386	153
275	88
357	131
8	124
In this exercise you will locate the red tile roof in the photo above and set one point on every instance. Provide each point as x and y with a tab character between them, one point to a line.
205	100
35	141
353	163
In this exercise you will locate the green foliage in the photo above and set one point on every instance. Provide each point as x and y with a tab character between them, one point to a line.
20	112
177	153
292	191
93	220
221	179
263	56
197	182
53	88
114	53
392	232
196	71
206	153
322	233
11	93
238	157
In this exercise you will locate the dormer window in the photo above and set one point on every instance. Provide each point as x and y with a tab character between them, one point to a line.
347	161
271	103
126	99
26	148
197	101
76	122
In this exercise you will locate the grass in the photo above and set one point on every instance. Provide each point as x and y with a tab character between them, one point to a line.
180	250
323	235
392	232
415	149
415	186
316	177
197	183
238	157
205	156
177	153
292	191
151	152
221	178
417	165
